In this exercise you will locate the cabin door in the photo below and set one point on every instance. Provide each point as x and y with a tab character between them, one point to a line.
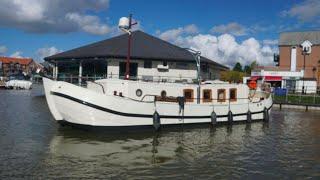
133	72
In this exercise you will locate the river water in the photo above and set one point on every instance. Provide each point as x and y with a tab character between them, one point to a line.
34	146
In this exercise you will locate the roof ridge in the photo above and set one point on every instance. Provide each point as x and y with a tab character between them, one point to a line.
174	45
154	37
304	31
15	57
146	46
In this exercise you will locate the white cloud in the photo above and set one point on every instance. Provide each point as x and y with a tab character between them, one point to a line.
88	23
226	50
47	51
17	54
231	28
172	34
270	42
3	49
306	11
191	29
42	16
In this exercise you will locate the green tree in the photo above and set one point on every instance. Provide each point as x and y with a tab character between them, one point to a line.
253	65
247	69
232	76
237	67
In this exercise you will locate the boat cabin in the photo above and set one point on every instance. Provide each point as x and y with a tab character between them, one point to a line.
211	92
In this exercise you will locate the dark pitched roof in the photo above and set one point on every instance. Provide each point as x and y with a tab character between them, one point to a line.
296	38
144	46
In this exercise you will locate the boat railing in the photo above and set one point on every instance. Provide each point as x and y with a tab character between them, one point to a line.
100	85
211	100
74	79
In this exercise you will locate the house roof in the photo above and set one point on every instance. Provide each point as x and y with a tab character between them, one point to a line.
22	61
296	38
143	46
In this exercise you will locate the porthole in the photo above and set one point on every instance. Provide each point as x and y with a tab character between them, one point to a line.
139	92
163	94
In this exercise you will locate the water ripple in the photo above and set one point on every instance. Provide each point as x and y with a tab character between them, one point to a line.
32	146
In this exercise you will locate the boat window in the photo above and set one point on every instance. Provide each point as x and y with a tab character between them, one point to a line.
233	94
139	92
207	95
188	95
221	95
163	94
147	64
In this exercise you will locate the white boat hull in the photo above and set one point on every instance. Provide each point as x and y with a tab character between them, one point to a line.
18	84
83	106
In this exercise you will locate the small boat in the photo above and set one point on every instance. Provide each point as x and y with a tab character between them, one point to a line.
126	103
18	82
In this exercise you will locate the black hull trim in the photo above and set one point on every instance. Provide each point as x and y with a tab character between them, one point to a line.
150	128
141	115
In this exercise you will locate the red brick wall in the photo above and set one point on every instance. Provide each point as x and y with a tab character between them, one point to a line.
312	61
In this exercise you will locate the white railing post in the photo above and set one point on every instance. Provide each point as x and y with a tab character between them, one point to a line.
56	72
80	73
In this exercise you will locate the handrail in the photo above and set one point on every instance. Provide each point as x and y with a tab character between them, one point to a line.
159	79
212	99
99	85
146	95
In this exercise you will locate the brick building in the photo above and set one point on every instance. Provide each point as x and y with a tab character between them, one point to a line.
291	56
13	66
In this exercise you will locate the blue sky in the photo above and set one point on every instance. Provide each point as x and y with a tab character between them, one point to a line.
225	31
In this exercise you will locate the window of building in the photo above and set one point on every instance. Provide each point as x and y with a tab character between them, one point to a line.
92	68
207	95
133	70
188	95
221	95
233	94
181	65
147	64
204	67
18	66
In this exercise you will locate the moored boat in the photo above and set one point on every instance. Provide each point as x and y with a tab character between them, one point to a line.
18	82
123	103
151	101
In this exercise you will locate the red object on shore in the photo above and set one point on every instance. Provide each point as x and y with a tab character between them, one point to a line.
273	78
252	84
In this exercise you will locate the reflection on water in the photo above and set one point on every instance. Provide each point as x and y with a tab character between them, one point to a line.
151	148
33	145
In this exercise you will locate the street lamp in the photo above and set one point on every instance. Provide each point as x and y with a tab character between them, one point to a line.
306	50
197	56
125	24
